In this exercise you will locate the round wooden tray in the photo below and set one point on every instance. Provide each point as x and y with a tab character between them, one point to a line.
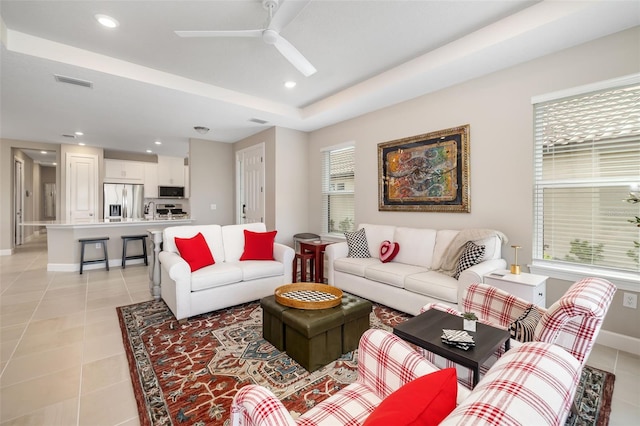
333	294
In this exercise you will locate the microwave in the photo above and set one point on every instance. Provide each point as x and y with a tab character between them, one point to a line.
170	191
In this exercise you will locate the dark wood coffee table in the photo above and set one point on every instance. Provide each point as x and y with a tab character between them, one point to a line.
424	330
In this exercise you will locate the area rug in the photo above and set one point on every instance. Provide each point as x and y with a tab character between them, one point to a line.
187	373
593	398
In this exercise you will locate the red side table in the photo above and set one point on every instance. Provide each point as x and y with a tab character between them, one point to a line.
317	249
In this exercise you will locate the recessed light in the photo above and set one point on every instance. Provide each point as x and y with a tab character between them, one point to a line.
81	144
149	151
158	143
107	21
55	164
79	133
290	84
43	152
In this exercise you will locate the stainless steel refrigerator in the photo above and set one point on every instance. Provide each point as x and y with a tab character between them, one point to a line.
123	201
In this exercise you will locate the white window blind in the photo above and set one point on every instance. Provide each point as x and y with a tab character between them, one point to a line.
338	180
587	165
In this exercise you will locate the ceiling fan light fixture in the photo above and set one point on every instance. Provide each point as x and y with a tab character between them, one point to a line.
201	129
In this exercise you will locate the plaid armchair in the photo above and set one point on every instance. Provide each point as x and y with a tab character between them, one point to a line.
572	322
385	363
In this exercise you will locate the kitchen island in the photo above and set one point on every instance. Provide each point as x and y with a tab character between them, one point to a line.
64	249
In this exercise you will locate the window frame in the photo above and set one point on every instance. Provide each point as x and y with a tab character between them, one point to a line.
626	280
326	190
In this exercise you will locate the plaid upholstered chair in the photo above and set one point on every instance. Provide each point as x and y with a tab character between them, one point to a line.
385	363
573	322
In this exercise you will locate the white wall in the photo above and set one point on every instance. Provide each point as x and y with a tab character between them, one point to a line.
211	168
498	109
292	193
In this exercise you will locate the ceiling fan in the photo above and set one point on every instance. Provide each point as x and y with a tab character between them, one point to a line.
286	13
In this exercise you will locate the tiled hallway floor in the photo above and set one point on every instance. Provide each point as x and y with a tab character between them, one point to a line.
63	361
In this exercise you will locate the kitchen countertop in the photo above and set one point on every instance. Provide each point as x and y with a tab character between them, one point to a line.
53	224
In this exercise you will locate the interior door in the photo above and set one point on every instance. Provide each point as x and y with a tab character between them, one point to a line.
251	184
82	190
18	200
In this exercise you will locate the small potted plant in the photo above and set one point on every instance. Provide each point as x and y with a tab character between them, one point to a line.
469	321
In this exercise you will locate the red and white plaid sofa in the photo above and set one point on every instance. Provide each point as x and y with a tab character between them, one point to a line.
509	394
573	322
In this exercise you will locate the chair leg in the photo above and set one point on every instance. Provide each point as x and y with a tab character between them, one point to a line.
81	257
124	252
106	256
144	251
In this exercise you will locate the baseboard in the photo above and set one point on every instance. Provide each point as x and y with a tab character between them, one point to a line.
75	267
619	341
6	252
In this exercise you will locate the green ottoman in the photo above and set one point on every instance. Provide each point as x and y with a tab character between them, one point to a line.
356	321
313	337
272	325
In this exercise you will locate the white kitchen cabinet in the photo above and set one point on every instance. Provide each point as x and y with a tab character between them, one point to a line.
150	180
120	171
170	171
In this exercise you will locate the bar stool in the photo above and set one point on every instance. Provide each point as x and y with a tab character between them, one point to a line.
125	240
303	257
95	240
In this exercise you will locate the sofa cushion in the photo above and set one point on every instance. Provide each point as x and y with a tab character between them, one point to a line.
212	234
195	251
256	269
233	239
215	276
443	239
354	266
258	245
471	255
433	284
388	251
417	246
424	401
357	242
492	247
392	273
376	234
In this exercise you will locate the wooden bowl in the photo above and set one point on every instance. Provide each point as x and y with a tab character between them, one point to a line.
330	296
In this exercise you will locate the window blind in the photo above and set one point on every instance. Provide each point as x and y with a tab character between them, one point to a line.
587	165
338	179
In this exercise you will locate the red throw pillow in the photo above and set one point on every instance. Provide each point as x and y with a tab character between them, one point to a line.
424	401
195	251
388	251
258	245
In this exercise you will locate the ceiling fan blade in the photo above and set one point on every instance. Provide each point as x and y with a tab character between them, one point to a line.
287	12
231	33
292	55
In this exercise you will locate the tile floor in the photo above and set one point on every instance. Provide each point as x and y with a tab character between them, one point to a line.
63	361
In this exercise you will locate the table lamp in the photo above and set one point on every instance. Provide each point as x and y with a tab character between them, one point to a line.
515	268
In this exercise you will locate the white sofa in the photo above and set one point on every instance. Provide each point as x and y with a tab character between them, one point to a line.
229	281
415	276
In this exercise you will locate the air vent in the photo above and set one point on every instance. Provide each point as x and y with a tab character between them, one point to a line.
69	136
258	121
70	80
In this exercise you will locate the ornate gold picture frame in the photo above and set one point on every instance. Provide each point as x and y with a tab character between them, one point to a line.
426	173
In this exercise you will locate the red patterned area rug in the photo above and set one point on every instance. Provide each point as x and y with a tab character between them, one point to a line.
188	373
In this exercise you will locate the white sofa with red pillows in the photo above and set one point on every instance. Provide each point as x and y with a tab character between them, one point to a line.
208	267
407	268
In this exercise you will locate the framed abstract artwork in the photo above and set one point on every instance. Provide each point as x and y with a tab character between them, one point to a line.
426	173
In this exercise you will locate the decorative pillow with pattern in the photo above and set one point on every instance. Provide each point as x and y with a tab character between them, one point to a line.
357	242
471	255
524	327
388	251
